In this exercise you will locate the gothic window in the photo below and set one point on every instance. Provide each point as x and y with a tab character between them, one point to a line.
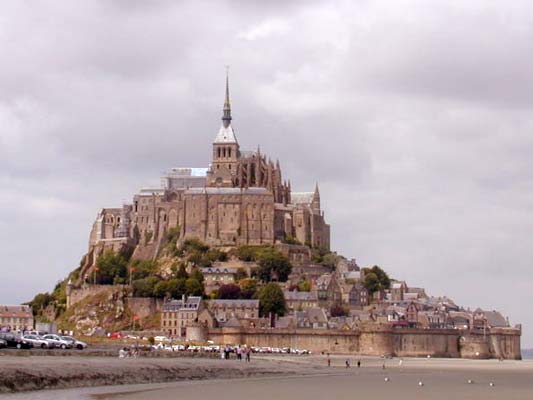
229	152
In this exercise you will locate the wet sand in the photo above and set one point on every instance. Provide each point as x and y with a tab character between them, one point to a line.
311	379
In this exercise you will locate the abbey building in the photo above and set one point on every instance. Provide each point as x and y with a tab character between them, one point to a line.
240	199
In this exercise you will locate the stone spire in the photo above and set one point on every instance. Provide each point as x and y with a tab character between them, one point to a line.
226	116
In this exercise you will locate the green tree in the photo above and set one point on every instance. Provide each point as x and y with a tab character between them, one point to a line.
40	302
375	279
110	265
145	287
173	288
142	268
273	266
197	274
193	287
181	273
271	300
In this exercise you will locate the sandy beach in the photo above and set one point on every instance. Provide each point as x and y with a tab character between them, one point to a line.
279	377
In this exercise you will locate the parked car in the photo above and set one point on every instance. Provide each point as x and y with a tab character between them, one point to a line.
3	344
56	341
38	341
75	343
14	341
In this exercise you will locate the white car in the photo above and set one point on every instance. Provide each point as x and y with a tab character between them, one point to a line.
75	343
57	341
37	341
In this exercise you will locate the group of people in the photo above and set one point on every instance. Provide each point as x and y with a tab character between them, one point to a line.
126	352
225	352
347	362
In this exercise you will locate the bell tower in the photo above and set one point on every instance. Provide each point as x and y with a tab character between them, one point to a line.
225	149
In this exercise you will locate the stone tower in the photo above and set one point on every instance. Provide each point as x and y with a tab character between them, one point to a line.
225	150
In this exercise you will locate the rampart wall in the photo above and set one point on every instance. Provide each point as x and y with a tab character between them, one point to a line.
380	340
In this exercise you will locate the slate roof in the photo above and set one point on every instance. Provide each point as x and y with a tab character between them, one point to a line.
225	135
300	296
239	303
191	303
218	270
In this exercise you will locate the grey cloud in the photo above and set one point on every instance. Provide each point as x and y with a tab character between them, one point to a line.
412	116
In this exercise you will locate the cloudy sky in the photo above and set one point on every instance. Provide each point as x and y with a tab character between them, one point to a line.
414	117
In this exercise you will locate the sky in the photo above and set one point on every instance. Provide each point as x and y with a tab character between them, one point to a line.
414	117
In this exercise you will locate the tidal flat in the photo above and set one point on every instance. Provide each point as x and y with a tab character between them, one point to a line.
287	377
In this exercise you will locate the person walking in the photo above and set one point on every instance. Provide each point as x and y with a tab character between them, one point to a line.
347	363
248	352
329	361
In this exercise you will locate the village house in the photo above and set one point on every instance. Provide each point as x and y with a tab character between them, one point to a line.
488	319
177	315
354	295
328	289
224	310
299	301
314	318
397	291
214	277
16	318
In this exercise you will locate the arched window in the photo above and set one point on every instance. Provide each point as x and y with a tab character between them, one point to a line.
229	152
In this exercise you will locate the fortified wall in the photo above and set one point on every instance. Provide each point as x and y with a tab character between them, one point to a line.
379	340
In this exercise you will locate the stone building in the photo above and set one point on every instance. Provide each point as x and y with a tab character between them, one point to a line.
241	198
214	277
299	301
16	318
224	310
177	315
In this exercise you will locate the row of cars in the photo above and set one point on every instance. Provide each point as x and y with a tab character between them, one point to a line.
231	349
49	341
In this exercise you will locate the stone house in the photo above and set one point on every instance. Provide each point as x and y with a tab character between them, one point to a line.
224	310
16	318
328	289
488	319
397	291
299	301
214	277
411	315
314	318
177	315
354	295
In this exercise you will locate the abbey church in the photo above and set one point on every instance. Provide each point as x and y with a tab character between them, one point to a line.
240	199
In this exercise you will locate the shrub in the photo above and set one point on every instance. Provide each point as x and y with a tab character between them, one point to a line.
229	292
337	310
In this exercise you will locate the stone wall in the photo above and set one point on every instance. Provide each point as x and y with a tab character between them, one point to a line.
379	340
144	307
